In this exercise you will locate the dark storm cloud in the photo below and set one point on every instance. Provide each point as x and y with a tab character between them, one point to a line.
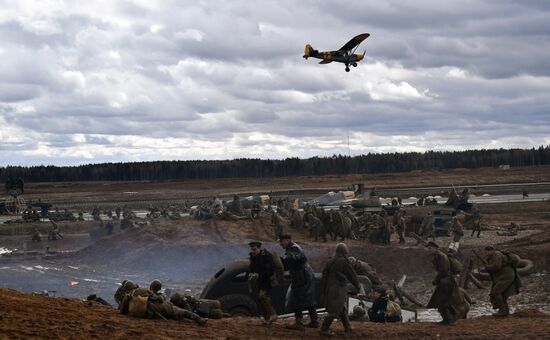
142	80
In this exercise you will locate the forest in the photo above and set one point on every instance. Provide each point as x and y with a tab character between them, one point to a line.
258	168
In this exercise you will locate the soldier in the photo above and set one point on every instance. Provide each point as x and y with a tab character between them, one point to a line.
384	309
216	207
427	229
474	221
256	210
36	236
336	274
456	229
53	233
301	293
118	211
277	222
364	268
109	227
447	298
525	193
296	219
401	226
236	206
316	227
505	279
268	271
144	303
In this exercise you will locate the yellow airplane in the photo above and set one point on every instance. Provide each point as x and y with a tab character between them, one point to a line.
346	54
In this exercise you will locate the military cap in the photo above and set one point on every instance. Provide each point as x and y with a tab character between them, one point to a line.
285	237
255	244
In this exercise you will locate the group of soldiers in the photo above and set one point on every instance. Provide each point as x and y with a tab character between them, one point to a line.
151	303
452	301
267	268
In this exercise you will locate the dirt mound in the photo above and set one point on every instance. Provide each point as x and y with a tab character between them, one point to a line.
28	316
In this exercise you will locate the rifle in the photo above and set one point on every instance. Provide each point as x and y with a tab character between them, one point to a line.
480	258
419	239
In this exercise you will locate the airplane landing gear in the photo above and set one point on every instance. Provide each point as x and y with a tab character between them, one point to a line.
347	67
354	64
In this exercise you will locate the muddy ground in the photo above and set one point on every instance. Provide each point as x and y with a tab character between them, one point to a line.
185	253
25	316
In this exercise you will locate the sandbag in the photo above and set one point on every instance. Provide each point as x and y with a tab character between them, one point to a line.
138	306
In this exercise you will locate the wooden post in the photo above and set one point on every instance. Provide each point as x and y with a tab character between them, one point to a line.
398	294
410	298
475	281
465	273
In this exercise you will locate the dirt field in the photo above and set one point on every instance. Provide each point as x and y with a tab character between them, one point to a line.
185	253
108	191
27	316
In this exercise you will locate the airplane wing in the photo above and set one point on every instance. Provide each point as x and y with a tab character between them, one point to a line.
354	42
324	61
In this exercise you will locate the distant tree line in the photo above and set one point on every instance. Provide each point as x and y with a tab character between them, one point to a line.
256	168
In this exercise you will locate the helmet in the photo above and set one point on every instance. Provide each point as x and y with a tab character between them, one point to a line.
359	311
341	249
155	286
129	285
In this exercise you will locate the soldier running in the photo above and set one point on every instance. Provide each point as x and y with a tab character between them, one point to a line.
447	297
401	226
301	293
504	276
268	271
337	273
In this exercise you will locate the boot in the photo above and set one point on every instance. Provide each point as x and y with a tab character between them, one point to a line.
326	332
502	307
195	317
313	319
325	327
345	322
297	326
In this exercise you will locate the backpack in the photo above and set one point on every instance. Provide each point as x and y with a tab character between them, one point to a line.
513	259
393	309
137	306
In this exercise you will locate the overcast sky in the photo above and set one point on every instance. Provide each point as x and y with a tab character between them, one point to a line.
136	80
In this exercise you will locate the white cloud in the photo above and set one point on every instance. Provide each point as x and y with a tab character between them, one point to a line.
141	80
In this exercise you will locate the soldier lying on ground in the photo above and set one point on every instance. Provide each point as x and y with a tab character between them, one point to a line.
364	268
384	309
145	303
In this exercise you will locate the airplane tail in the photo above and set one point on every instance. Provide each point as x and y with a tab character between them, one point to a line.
309	51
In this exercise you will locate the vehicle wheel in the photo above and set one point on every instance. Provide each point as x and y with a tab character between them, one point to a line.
238	305
347	69
354	64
